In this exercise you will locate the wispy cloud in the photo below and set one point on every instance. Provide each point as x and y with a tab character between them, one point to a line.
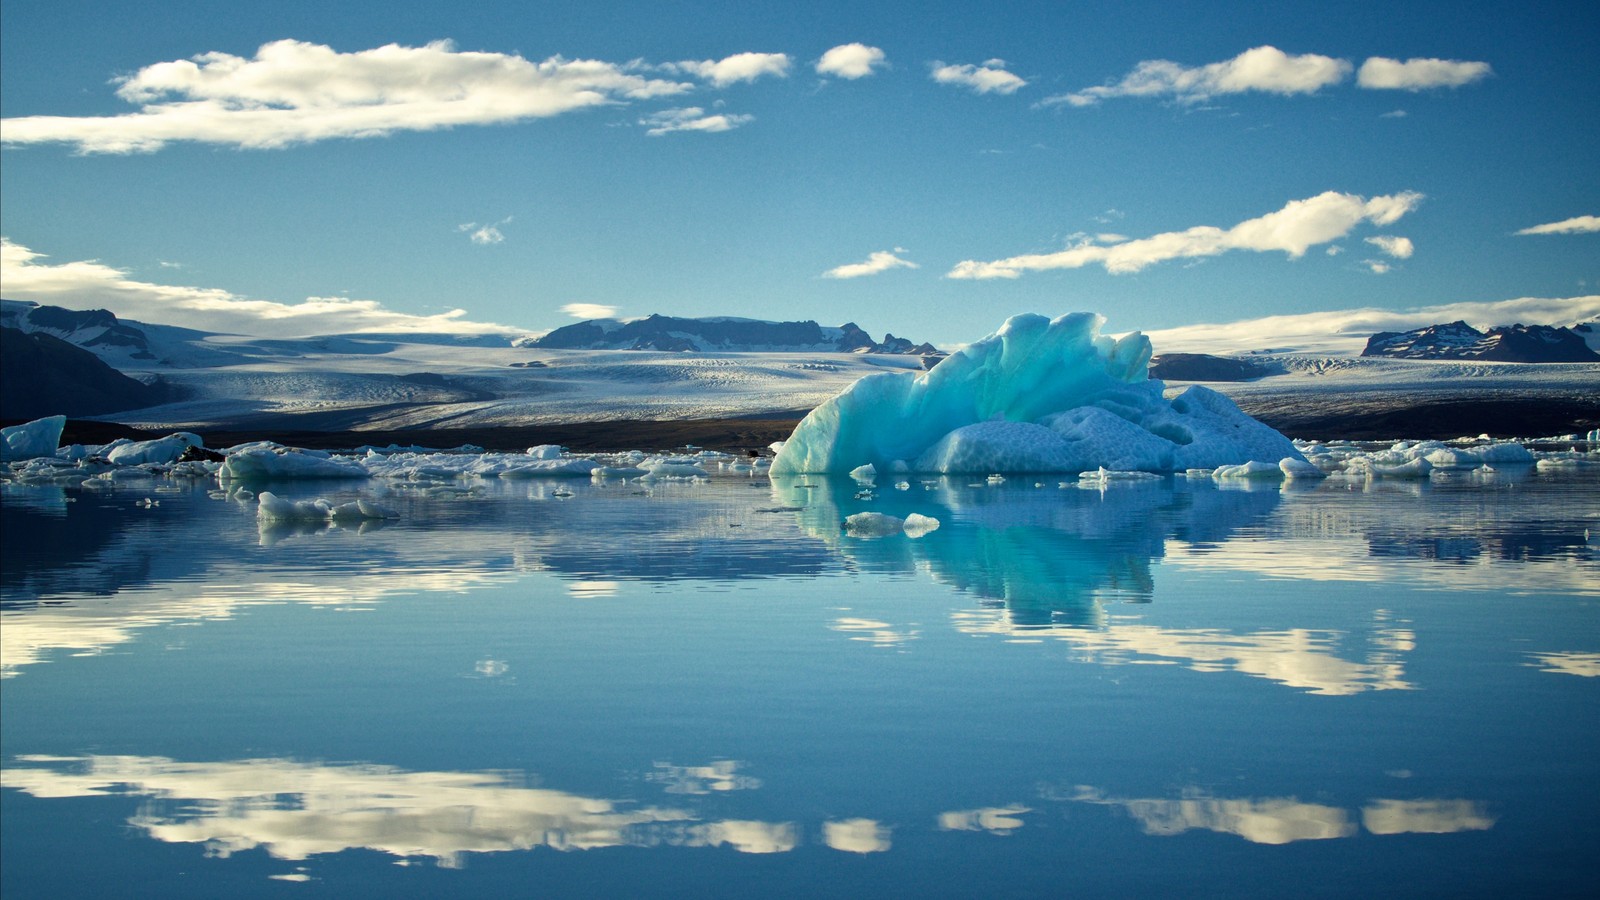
484	235
1300	225
851	61
1397	247
1574	225
89	284
734	69
1346	330
1265	69
989	78
294	92
691	118
1419	74
881	261
1377	266
590	311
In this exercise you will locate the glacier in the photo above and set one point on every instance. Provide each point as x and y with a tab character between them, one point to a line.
1039	395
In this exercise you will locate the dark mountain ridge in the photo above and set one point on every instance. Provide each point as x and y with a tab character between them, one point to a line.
43	375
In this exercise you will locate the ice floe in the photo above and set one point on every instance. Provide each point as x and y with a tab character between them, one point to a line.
278	509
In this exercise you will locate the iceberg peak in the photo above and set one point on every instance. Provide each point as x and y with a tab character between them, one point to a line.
1038	395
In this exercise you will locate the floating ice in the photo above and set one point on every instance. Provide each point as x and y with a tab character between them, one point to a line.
1251	469
875	524
273	508
1036	396
31	439
266	461
161	450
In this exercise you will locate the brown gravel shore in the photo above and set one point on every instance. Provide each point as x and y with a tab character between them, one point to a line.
1346	419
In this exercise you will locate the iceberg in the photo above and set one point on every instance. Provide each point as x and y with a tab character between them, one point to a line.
1039	395
31	439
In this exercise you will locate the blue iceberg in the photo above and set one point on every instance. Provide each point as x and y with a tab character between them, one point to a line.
1039	395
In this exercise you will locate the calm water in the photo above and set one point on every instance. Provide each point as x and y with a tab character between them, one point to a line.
707	690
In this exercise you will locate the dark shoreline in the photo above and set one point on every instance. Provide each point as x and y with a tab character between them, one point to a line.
1344	419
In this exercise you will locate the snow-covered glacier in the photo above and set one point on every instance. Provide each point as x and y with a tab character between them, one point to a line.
1039	395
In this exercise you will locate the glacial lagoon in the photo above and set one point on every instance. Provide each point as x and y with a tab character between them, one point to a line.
708	689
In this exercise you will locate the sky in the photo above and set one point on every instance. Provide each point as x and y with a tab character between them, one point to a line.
922	168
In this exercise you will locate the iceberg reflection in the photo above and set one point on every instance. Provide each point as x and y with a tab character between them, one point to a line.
1049	554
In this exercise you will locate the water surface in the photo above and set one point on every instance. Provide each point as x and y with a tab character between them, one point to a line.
707	689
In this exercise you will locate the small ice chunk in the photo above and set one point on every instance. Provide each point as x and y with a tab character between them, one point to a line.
873	525
660	469
161	450
1251	469
546	451
616	473
361	509
917	525
273	508
552	468
867	473
1299	468
1416	468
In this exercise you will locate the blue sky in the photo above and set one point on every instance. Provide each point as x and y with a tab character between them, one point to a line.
1162	164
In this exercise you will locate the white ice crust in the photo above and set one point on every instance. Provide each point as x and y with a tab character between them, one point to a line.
1038	395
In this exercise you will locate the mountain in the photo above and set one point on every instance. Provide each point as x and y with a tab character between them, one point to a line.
1206	367
724	334
1458	340
43	375
85	328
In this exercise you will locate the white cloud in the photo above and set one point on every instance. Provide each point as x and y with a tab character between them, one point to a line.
1397	247
880	261
1377	266
989	78
1418	74
1345	331
1266	69
1393	114
1300	225
484	235
851	61
736	68
692	118
294	92
1575	225
93	285
590	311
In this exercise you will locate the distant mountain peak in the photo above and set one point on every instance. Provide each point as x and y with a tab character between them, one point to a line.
1458	340
727	334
